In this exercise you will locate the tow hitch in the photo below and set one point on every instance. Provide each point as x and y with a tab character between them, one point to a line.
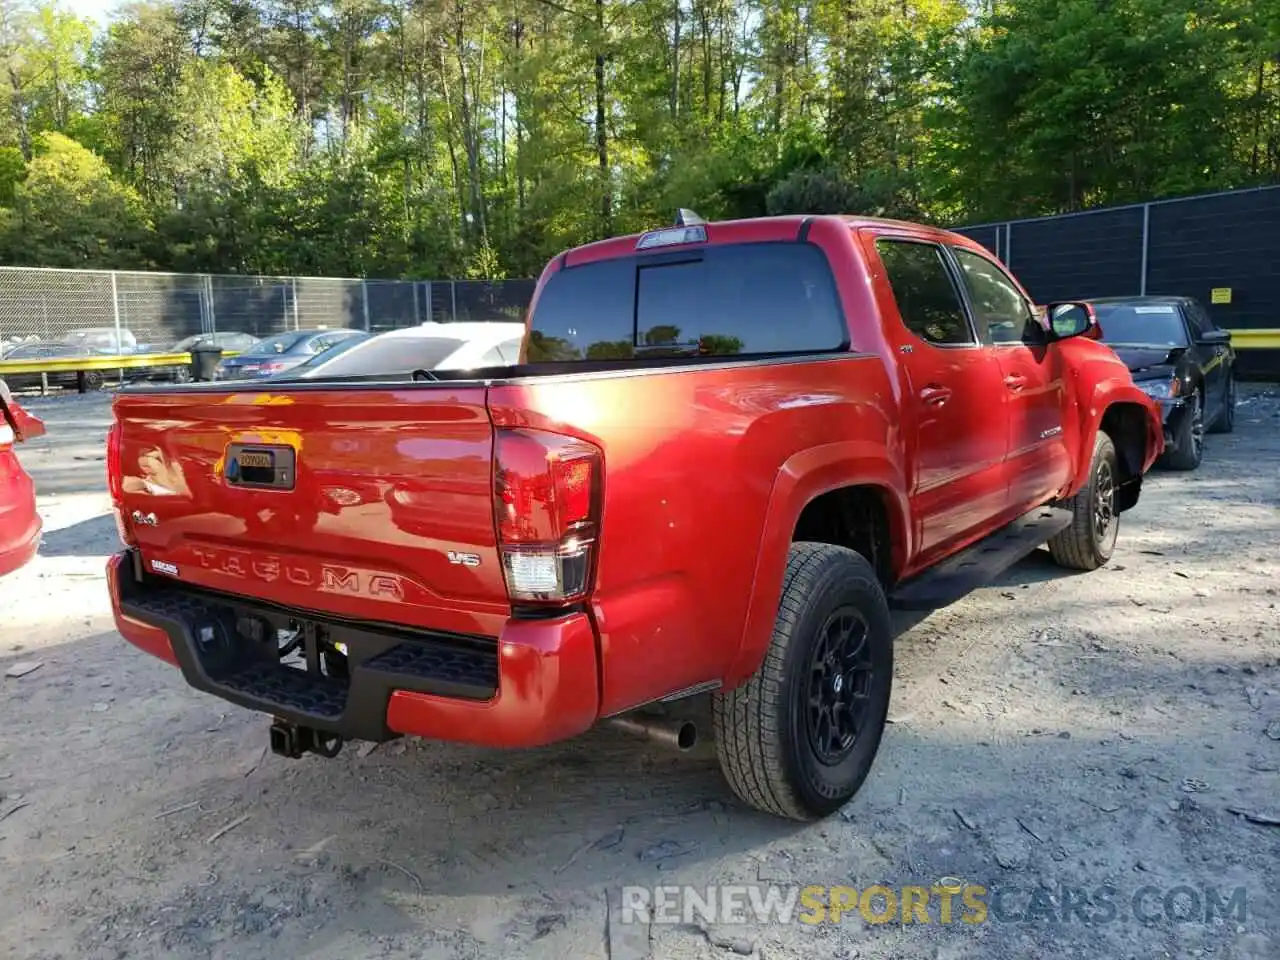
291	740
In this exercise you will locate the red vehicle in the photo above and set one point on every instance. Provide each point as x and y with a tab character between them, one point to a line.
726	450
19	522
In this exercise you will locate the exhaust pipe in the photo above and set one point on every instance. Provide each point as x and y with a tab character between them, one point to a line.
681	734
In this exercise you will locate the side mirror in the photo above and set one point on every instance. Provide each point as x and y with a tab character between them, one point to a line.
1215	337
1072	319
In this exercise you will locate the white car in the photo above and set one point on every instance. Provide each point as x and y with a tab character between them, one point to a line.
431	346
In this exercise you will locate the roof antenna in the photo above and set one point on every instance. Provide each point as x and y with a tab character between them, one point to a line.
687	218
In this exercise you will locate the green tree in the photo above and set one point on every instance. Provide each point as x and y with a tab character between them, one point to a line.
57	61
428	138
1070	103
13	170
69	211
140	71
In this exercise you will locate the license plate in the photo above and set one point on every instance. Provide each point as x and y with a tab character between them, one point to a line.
256	460
260	465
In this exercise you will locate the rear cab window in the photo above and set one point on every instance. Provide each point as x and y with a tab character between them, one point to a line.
739	299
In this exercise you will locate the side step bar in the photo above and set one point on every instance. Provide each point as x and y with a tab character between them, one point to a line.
977	565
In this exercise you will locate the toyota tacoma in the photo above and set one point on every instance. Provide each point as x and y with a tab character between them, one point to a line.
725	451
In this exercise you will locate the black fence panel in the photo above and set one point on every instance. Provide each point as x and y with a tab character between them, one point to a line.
1090	255
1191	246
1227	241
393	304
990	236
261	306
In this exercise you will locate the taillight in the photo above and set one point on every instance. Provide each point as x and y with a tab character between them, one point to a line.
16	424
115	483
115	466
547	512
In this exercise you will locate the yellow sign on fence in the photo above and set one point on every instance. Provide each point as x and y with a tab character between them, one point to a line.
1220	295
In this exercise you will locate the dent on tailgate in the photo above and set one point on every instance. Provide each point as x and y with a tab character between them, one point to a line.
375	505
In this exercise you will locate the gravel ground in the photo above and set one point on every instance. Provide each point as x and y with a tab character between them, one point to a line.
1052	733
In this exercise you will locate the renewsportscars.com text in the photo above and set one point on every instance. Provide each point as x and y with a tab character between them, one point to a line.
944	903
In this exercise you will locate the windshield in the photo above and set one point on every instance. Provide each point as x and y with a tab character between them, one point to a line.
281	343
389	356
1157	324
325	356
30	350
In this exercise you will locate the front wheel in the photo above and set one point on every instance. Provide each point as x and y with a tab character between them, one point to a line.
798	739
1091	539
1226	421
1188	437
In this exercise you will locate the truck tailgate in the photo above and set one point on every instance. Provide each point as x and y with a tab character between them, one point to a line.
375	505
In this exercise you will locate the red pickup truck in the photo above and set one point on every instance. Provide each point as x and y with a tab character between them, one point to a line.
726	450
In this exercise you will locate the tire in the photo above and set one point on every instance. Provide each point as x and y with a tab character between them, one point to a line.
1226	421
1188	437
92	380
1089	542
769	734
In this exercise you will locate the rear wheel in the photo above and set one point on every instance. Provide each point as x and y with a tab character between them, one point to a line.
798	739
1091	539
1226	421
1188	437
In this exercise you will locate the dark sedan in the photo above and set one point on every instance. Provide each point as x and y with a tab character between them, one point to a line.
1182	359
282	352
37	351
230	342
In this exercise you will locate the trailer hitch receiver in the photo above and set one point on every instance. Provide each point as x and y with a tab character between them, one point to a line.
291	740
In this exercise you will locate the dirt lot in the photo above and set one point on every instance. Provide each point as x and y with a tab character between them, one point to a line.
1052	733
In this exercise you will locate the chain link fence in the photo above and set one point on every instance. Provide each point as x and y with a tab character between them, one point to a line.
155	311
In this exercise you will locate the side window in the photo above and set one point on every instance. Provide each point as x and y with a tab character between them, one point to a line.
926	296
323	343
1197	319
492	358
509	350
998	306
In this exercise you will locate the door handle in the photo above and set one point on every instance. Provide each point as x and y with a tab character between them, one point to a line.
1015	381
935	396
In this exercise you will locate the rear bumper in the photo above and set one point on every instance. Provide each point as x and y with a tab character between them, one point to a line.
535	684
